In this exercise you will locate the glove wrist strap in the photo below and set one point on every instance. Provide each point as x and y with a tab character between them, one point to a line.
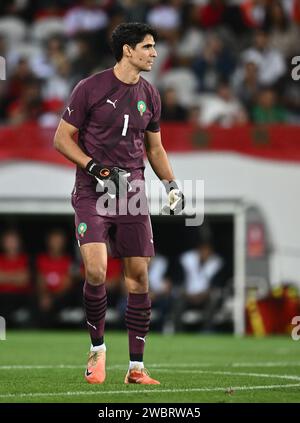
90	165
169	185
101	171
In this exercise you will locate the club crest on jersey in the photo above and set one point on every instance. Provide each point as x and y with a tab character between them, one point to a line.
82	227
141	106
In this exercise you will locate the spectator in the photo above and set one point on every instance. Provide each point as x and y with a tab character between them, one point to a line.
44	65
246	85
204	277
59	86
15	279
54	279
83	61
21	75
267	110
165	17
183	81
28	107
253	12
222	108
210	14
171	109
284	35
270	61
201	267
134	10
214	64
87	16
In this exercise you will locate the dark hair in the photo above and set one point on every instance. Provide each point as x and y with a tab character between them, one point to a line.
129	33
269	20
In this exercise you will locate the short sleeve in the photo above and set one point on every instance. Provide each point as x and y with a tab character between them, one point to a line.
154	124
77	107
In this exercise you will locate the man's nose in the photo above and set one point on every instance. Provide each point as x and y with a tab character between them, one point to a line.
154	53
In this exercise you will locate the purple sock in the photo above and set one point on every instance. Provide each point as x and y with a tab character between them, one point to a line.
137	318
95	304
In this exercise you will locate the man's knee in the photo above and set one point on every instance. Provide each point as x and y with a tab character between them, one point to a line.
95	273
137	283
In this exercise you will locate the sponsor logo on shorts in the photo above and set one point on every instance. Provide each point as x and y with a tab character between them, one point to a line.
82	227
141	106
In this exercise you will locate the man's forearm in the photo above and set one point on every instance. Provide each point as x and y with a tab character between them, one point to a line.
68	148
160	164
65	144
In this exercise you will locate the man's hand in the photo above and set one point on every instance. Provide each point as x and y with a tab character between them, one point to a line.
175	199
114	175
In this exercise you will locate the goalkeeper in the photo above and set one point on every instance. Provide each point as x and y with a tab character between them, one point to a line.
115	113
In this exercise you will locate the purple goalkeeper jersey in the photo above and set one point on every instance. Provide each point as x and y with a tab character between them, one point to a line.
112	118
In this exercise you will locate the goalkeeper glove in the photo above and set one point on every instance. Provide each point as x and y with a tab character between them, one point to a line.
175	199
116	175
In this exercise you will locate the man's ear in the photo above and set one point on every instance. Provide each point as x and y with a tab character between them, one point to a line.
127	50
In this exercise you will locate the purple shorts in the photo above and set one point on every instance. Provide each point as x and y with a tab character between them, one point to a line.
128	235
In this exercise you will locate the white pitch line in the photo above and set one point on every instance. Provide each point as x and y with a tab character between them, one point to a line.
39	366
153	365
143	391
268	364
115	366
291	377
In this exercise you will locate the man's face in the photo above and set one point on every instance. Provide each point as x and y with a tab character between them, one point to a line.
143	55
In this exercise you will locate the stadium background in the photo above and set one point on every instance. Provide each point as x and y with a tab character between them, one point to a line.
230	93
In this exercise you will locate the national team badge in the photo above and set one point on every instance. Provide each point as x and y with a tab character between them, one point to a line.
141	106
82	227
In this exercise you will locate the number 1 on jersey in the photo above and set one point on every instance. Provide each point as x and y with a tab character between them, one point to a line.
125	127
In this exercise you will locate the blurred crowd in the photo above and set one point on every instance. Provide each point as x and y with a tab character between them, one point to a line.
44	289
220	62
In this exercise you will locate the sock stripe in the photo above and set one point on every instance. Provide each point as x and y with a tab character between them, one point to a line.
95	310
144	315
138	332
131	319
137	320
96	317
136	325
102	315
134	309
95	303
93	298
88	307
134	319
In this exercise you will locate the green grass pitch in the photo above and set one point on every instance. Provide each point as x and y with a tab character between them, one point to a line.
192	368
